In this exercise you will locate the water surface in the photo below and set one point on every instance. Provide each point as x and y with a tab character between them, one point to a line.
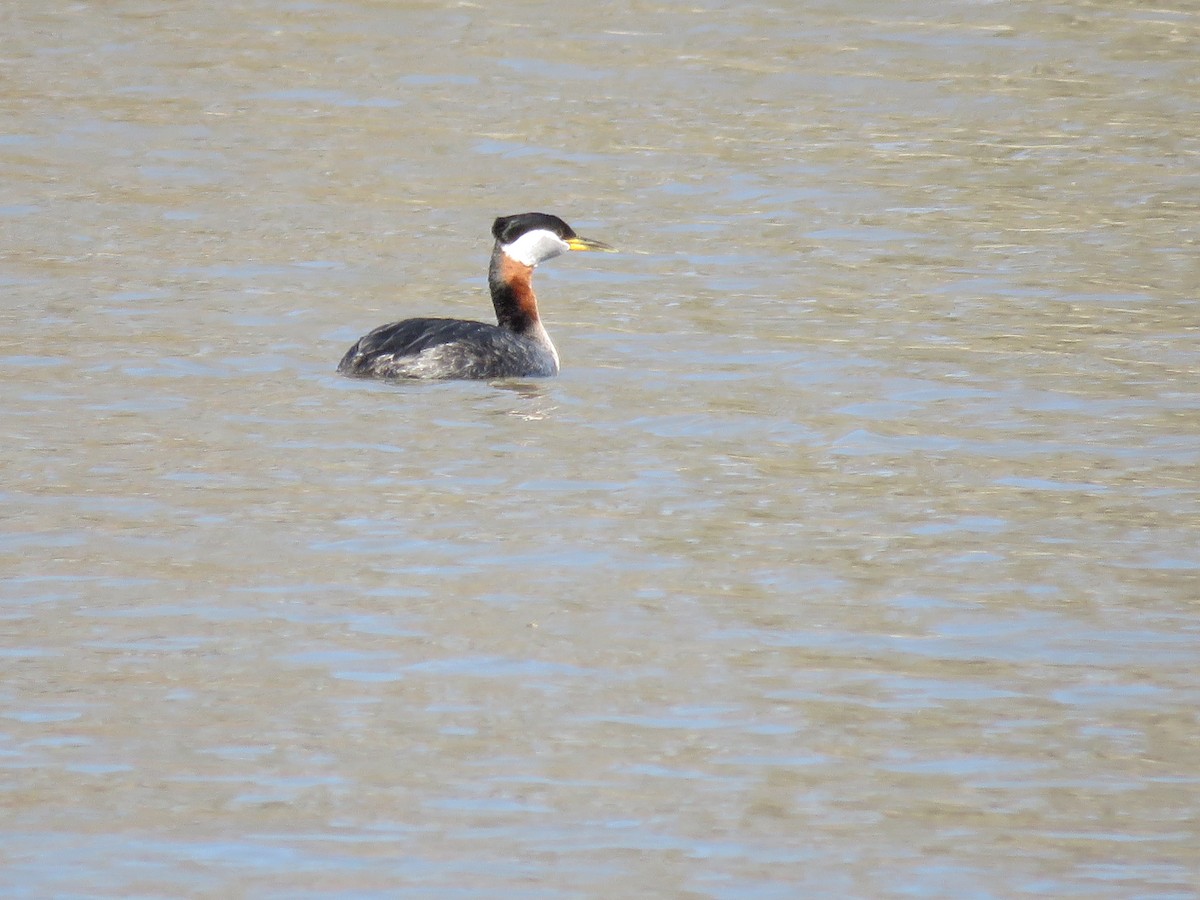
854	551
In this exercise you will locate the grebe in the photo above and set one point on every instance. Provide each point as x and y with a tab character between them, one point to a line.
518	347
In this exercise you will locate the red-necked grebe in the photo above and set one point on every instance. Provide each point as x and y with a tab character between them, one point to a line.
517	347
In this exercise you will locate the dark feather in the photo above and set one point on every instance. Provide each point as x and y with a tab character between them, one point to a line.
460	349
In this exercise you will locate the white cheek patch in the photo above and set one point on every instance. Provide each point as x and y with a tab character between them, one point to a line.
535	247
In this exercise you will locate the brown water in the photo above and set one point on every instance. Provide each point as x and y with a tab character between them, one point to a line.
854	552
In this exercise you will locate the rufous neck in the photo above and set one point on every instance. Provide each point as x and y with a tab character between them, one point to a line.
511	283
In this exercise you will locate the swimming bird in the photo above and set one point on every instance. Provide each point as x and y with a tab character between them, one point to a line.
516	347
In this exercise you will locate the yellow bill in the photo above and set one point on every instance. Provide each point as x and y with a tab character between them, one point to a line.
579	243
